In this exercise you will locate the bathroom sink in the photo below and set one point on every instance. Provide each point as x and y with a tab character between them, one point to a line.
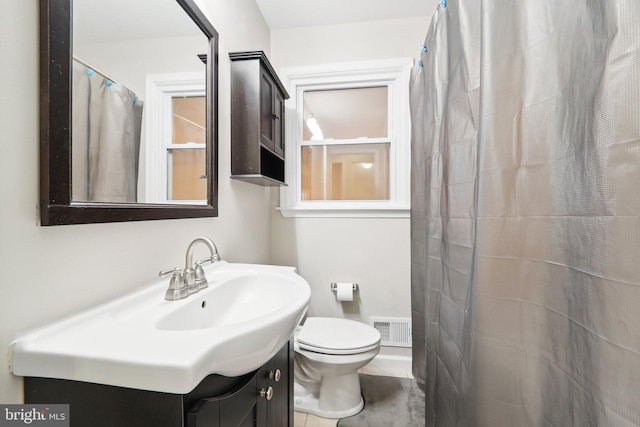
240	299
142	341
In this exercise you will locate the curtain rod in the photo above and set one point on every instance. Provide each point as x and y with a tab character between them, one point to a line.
103	74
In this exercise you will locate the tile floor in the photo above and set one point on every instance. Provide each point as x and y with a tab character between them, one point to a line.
307	420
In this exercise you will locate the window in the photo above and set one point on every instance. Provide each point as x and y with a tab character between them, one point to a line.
186	151
352	162
174	168
348	136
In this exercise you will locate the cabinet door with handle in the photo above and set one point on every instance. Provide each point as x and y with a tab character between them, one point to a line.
278	133
268	91
236	409
271	114
278	414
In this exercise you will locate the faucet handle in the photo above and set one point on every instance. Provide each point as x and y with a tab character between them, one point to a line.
211	259
176	270
177	289
200	277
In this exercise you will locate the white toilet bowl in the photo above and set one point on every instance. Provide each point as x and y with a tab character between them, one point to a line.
328	354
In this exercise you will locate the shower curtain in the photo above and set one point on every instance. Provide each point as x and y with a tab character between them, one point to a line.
107	119
525	217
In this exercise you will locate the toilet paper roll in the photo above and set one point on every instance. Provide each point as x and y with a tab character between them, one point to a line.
344	291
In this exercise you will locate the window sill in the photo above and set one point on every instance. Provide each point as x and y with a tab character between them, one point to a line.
345	212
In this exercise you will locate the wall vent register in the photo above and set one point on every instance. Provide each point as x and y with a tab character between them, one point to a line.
394	332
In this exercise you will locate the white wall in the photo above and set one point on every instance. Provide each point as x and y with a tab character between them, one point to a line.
393	38
375	253
49	272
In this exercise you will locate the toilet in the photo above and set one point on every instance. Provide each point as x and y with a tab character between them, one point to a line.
328	354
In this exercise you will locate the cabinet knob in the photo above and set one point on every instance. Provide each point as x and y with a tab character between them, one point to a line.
267	394
275	375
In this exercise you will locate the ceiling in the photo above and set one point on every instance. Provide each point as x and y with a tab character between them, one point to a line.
123	20
281	14
94	23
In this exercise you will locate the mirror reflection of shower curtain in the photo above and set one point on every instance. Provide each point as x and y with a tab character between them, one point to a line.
106	125
525	218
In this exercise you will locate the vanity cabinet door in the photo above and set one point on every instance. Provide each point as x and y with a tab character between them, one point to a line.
279	374
99	405
238	408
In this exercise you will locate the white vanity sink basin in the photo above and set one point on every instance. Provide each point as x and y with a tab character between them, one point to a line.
141	341
239	299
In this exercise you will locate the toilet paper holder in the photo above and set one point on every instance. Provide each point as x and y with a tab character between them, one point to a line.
334	286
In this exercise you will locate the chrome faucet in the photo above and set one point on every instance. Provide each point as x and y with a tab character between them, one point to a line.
192	278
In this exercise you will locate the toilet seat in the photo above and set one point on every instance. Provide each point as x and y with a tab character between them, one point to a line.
329	335
331	351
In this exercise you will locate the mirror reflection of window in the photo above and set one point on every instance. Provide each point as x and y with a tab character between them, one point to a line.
186	154
346	146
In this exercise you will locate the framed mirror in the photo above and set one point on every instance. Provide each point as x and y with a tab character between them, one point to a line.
160	102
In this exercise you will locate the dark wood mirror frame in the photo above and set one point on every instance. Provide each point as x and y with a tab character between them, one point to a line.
56	205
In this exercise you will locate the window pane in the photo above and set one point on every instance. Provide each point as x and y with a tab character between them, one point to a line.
188	175
345	113
189	120
187	167
345	172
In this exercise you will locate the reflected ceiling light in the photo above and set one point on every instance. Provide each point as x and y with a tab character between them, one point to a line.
367	165
314	128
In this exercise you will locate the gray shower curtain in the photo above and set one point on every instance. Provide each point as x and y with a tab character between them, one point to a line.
106	126
526	214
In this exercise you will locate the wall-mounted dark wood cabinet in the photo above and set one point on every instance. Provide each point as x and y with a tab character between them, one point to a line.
263	398
257	120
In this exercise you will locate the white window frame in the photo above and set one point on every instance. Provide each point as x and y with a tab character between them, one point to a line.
393	73
160	91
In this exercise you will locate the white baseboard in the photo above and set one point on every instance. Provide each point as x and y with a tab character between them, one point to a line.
386	361
389	365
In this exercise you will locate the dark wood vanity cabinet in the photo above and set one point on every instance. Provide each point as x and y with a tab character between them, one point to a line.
263	398
257	120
